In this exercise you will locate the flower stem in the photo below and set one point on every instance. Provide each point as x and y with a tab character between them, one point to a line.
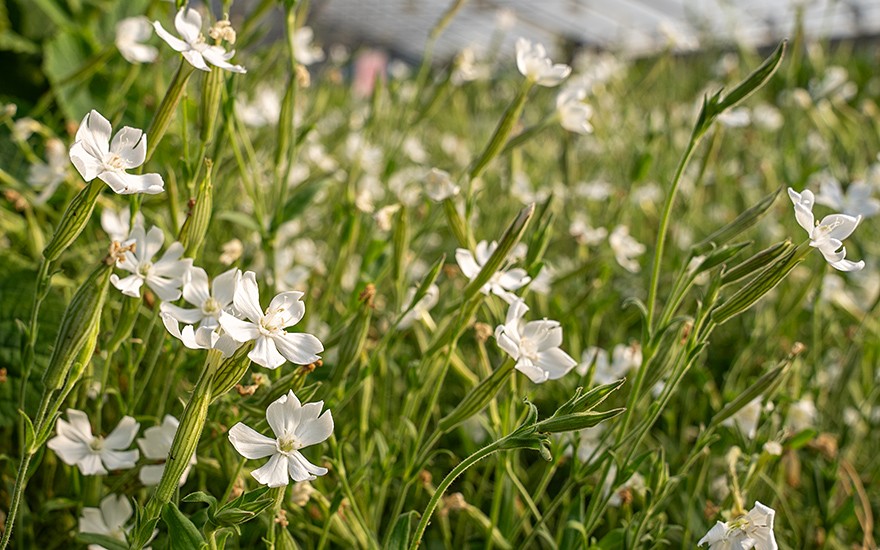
162	118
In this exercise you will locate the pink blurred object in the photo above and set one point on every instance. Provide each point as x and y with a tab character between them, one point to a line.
369	66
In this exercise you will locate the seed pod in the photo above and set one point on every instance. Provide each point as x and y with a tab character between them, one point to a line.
192	234
74	220
127	317
478	397
756	263
212	86
78	326
230	371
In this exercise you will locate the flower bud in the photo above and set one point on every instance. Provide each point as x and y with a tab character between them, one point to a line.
74	220
230	371
192	234
210	105
79	326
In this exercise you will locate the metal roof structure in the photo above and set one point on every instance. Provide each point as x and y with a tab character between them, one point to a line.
630	27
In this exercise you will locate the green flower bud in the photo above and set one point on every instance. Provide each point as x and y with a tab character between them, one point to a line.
74	220
192	234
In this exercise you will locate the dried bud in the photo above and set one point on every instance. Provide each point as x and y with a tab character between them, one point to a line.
301	493
245	391
425	477
3	376
826	444
710	510
483	331
222	30
303	78
281	518
455	502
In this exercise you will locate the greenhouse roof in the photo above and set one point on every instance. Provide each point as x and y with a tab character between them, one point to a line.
632	27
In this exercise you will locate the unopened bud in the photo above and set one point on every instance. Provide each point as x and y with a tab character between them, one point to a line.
222	30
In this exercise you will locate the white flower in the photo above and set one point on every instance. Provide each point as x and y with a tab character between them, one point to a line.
828	234
626	248
746	419
164	277
574	114
75	444
95	156
534	345
468	68
439	185
263	110
420	310
501	282
624	358
231	251
116	223
272	344
589	441
130	33
385	216
856	201
772	448
533	62
753	530
739	117
109	519
202	325
584	234
305	52
802	414
542	281
195	50
155	446
295	426
47	176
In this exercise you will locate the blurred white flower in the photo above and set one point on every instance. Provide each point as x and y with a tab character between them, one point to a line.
295	426
439	185
753	530
130	33
155	445
116	223
827	234
773	448
384	216
201	325
95	156
94	455
802	414
542	281
597	190
534	345
767	117
263	110
856	201
584	234
301	492
165	277
468	68
589	440
420	311
533	63
47	176
574	114
834	84
635	484
624	358
272	344
502	282
109	519
626	248
746	419
305	52
231	251
193	47
739	117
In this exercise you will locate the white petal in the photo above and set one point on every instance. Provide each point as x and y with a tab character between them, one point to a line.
274	472
265	353
298	348
291	305
176	313
555	362
223	286
91	465
847	265
247	297
249	443
188	23
94	134
116	510
151	474
130	286
124	433
119	460
241	331
316	431
70	451
843	225
301	469
535	374
131	146
87	165
175	43
165	288
92	521
466	263
196	60
217	56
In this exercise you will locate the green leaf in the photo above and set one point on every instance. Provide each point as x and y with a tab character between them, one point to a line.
755	80
182	534
400	534
240	218
29	435
801	438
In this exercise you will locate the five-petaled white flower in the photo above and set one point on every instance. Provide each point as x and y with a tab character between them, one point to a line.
95	156
48	175
533	62
574	114
164	277
272	344
109	519
130	33
501	282
155	446
295	426
76	446
202	325
193	47
534	345
753	530
828	234
625	248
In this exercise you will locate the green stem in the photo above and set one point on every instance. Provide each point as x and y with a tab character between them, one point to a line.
162	119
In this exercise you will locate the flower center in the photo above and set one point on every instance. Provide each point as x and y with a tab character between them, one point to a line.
97	444
528	348
145	268
288	443
113	161
211	307
271	322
